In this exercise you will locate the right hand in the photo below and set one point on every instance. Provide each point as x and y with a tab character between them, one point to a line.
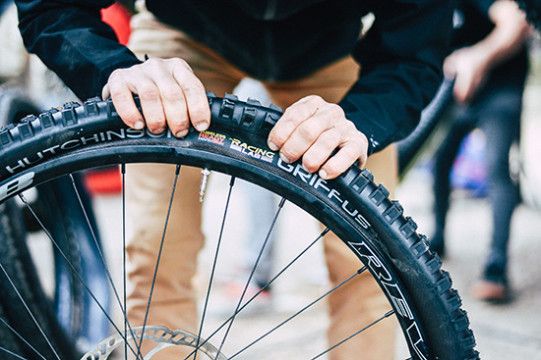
469	67
170	94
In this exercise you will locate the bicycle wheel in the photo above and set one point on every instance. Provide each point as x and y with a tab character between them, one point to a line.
76	137
71	304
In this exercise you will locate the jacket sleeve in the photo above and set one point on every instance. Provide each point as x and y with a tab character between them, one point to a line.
401	60
70	38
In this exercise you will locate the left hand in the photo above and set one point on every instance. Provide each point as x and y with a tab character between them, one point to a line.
469	67
313	129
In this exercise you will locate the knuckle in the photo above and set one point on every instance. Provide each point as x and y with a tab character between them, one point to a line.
178	119
352	152
116	76
153	62
331	137
149	92
289	114
171	93
180	65
352	126
336	110
307	131
361	138
131	116
315	99
118	94
328	142
178	61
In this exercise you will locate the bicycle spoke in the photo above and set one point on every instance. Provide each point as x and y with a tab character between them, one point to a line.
73	269
209	287
100	254
319	237
267	237
12	353
306	307
21	338
175	182
384	316
28	310
269	283
123	172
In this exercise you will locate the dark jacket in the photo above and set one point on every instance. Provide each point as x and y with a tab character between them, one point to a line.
401	56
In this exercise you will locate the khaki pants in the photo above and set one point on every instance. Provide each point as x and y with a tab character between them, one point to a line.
148	186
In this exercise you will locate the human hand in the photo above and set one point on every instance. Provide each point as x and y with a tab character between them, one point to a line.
313	129
170	94
469	67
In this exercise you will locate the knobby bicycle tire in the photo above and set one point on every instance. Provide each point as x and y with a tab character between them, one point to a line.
76	137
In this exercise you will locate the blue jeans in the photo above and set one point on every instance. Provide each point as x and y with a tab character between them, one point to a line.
496	111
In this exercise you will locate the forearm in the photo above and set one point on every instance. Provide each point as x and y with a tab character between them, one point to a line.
401	66
386	104
508	35
73	42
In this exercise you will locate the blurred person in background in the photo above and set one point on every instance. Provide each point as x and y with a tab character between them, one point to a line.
261	205
309	55
489	65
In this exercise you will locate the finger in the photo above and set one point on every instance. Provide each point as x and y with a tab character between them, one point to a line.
194	93
344	158
151	102
123	101
305	134
353	150
449	67
105	92
321	150
174	103
292	117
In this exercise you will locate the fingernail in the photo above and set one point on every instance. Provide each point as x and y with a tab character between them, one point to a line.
202	126
272	146
181	133
139	125
284	159
323	174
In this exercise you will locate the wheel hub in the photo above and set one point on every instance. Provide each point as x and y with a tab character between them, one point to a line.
160	337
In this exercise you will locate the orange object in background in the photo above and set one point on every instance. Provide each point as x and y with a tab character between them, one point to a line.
103	181
108	181
118	17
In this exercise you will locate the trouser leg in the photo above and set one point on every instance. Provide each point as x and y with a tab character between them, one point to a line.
148	189
443	163
361	300
501	130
